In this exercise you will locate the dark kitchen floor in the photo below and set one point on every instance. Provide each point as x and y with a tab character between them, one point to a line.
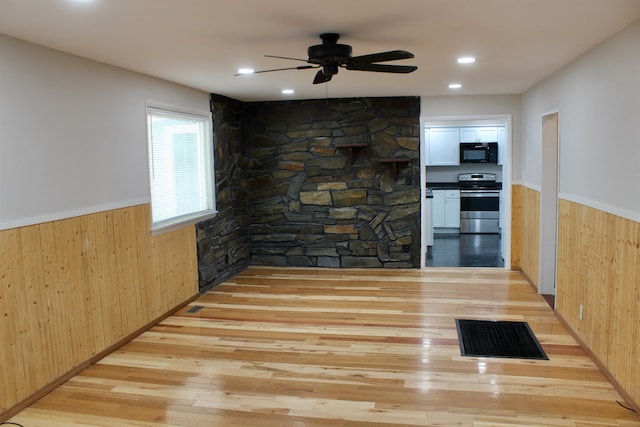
465	250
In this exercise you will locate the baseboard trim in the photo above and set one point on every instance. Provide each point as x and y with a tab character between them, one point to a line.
527	278
625	396
601	366
22	405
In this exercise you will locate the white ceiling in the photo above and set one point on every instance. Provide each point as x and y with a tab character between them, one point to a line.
202	43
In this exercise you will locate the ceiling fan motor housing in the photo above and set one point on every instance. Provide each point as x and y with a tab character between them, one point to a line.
329	52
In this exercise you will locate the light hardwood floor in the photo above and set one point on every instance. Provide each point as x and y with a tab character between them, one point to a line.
328	347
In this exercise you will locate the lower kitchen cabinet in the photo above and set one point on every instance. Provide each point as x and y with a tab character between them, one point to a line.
446	208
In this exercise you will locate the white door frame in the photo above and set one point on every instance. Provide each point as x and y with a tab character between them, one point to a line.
506	178
550	135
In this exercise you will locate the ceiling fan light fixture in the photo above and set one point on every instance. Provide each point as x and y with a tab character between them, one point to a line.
330	69
288	91
455	86
246	71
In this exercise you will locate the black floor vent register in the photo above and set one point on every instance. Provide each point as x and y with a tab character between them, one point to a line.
485	338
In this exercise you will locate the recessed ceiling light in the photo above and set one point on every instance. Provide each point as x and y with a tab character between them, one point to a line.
455	86
246	71
288	91
466	60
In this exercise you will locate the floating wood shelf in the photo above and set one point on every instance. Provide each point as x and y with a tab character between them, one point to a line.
395	162
352	147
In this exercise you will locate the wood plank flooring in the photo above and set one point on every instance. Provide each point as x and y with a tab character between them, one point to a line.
328	347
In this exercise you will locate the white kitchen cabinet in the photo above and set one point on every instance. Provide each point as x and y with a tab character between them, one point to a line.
446	208
443	146
479	134
468	135
438	208
502	142
452	209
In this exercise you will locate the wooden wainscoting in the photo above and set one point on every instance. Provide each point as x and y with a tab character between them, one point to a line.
516	225
599	268
303	347
525	231
70	289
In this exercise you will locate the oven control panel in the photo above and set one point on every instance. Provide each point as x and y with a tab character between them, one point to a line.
477	177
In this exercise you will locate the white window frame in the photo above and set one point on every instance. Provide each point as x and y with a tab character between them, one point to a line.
204	185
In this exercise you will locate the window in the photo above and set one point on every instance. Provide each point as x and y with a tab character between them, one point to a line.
180	167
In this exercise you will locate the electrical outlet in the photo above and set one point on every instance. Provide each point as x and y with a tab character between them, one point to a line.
581	312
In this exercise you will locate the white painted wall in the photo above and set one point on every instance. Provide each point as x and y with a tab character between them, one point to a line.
73	133
598	100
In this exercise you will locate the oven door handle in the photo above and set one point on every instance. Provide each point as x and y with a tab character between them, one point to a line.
479	193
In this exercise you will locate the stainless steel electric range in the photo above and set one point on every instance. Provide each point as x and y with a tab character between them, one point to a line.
479	203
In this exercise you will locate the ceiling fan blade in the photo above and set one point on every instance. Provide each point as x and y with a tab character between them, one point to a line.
321	77
285	57
301	67
392	55
382	68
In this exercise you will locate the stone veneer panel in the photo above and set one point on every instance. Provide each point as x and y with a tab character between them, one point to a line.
310	205
223	241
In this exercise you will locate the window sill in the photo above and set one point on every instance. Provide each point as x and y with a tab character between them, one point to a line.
175	224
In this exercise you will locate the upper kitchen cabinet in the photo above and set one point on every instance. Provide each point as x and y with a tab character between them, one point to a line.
443	146
502	143
479	134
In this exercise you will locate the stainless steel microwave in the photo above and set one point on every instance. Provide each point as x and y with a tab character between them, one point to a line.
478	152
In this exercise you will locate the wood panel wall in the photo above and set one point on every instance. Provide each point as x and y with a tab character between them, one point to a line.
516	225
525	231
599	267
70	289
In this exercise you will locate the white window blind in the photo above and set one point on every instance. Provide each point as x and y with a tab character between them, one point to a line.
180	167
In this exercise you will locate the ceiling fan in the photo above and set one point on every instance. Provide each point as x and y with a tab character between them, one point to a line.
330	56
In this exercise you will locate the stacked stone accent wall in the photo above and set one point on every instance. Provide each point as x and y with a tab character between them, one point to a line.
315	201
223	241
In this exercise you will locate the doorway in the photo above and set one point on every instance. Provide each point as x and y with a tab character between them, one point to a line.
466	250
549	204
